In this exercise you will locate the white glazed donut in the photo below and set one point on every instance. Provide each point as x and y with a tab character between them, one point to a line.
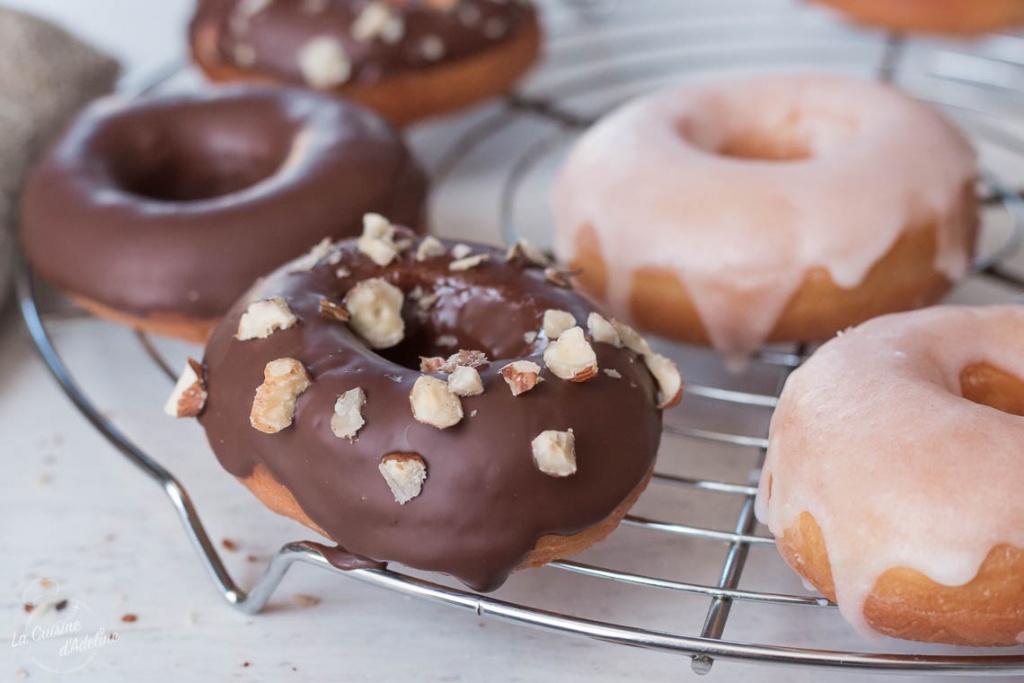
894	480
778	208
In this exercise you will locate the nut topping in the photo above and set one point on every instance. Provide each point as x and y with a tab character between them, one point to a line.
461	251
274	406
612	372
348	414
556	322
521	376
263	317
667	376
631	339
472	359
377	240
559	278
377	20
526	252
333	311
404	474
314	256
602	331
375	307
432	364
429	248
324	63
433	404
465	381
189	395
571	357
468	262
554	453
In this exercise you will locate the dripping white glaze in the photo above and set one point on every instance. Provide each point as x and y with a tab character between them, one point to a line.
873	438
741	233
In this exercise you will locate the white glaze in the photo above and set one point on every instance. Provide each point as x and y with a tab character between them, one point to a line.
872	438
741	234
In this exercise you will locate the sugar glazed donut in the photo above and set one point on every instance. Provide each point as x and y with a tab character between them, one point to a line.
933	16
772	209
161	212
893	477
407	59
450	407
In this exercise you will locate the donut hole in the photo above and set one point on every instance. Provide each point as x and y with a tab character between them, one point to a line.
199	154
472	317
790	136
990	386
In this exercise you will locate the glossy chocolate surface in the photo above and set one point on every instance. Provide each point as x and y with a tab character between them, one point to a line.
484	503
176	204
432	32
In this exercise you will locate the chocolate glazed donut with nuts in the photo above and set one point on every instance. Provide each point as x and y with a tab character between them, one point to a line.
451	407
406	59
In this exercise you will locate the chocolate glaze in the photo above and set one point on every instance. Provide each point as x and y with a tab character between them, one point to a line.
177	203
343	559
274	35
484	503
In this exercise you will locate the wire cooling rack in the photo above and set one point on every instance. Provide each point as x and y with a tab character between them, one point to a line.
601	53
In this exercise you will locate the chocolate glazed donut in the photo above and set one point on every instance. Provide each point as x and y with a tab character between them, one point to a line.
481	494
406	59
161	212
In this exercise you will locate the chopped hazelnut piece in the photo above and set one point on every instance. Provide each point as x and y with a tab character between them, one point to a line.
377	240
465	381
189	395
631	339
430	247
378	20
263	317
613	373
530	337
333	311
433	404
521	376
468	262
404	474
314	256
461	251
274	406
667	376
432	364
472	359
571	357
375	307
324	63
602	331
348	414
447	341
556	322
558	278
554	453
524	251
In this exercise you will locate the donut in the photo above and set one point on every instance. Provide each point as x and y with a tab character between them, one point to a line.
893	478
161	212
771	209
964	17
405	59
451	407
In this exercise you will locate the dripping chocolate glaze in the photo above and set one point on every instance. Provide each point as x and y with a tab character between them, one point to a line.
277	33
177	203
484	503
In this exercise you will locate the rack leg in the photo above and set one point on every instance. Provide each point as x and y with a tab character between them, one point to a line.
892	56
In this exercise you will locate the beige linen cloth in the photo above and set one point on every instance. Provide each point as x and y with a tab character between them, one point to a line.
46	74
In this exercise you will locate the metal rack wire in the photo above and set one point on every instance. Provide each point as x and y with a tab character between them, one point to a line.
554	107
